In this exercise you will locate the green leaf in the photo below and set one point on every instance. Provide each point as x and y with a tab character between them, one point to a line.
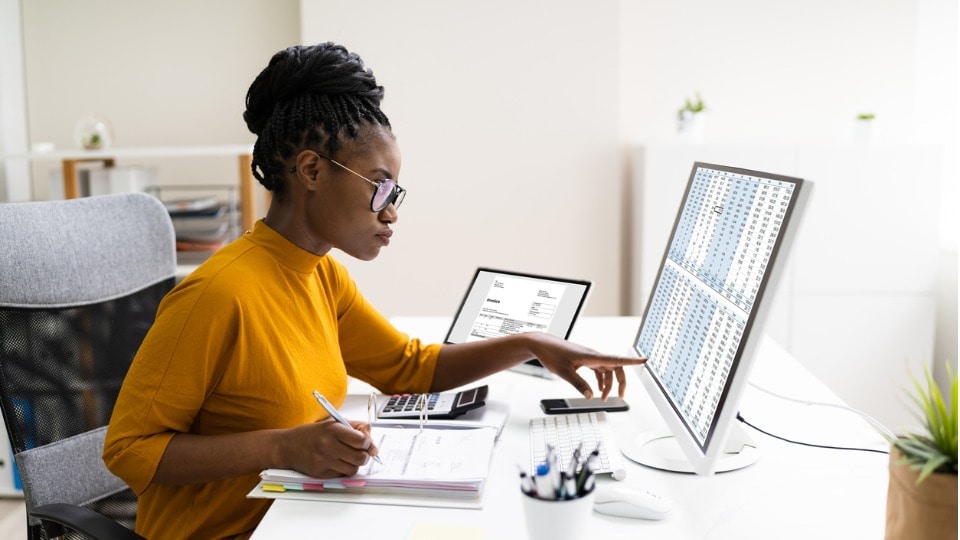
936	450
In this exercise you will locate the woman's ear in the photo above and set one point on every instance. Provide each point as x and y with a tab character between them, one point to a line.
307	169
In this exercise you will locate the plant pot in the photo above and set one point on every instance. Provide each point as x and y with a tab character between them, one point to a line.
863	131
919	511
93	132
691	126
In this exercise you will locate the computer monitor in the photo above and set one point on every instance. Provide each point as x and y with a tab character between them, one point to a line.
703	321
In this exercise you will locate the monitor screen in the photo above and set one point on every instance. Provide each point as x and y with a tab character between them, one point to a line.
696	329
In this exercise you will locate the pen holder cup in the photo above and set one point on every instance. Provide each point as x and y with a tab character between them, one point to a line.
557	519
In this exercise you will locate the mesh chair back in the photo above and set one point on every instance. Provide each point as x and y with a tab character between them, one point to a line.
80	282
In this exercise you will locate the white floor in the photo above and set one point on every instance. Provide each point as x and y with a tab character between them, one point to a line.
13	519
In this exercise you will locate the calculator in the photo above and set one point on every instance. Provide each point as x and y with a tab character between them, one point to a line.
439	404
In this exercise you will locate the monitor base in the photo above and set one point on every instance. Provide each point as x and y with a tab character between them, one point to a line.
658	449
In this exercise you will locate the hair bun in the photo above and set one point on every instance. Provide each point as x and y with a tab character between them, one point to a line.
324	69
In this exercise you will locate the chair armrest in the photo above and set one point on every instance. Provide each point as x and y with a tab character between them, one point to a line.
84	520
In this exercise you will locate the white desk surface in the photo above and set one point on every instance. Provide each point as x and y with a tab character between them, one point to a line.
791	492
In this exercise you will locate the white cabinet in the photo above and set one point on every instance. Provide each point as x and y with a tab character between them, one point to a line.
856	305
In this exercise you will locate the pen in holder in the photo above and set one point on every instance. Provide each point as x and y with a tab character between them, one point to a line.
557	519
557	503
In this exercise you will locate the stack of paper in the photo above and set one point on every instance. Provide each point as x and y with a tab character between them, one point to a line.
434	462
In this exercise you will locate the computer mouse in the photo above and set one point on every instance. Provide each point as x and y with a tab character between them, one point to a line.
630	502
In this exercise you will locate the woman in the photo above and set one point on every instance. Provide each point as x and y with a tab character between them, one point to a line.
221	387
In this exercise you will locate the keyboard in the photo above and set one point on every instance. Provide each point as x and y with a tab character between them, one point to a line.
565	432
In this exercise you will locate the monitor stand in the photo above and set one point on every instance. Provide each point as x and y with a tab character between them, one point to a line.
656	448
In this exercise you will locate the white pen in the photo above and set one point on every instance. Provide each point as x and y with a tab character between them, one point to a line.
336	416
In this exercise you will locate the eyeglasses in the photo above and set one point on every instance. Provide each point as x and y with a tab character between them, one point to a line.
387	191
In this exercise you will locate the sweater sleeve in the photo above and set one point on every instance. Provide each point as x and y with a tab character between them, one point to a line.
376	352
168	380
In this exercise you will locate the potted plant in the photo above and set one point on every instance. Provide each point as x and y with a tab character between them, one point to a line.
691	119
922	492
863	131
93	132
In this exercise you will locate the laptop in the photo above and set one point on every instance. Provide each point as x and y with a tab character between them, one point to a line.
499	303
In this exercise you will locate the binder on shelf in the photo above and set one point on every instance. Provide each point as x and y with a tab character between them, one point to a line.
208	232
203	223
199	205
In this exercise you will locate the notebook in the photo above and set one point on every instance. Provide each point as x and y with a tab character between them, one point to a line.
500	303
438	467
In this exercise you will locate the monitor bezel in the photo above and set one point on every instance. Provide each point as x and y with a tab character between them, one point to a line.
703	457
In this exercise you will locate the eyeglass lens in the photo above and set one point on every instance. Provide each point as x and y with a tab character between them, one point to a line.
387	192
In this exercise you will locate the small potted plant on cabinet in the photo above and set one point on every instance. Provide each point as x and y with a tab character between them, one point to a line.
922	492
691	119
864	127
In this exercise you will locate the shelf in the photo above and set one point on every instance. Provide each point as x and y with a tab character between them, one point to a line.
70	158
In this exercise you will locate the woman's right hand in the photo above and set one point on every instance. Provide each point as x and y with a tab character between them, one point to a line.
327	448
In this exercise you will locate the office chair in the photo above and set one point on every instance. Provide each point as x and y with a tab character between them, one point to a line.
80	282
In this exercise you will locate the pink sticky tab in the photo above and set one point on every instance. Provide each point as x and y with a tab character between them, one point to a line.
353	483
312	487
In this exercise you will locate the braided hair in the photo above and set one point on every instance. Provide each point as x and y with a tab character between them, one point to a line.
308	96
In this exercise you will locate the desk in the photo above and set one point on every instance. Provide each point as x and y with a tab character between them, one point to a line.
791	492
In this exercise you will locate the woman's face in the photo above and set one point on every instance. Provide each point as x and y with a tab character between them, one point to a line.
339	214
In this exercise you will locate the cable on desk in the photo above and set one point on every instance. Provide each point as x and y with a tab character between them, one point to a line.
877	425
813	445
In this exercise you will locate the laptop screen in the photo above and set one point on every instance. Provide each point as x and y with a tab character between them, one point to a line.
500	303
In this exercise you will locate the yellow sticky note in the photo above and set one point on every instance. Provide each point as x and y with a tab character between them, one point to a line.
432	531
273	487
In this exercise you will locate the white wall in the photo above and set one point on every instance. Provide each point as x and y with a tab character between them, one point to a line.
507	117
937	121
164	73
14	174
798	73
513	116
769	71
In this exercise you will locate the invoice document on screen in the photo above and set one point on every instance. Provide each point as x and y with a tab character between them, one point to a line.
514	305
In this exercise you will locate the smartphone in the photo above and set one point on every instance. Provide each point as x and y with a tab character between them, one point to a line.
579	405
